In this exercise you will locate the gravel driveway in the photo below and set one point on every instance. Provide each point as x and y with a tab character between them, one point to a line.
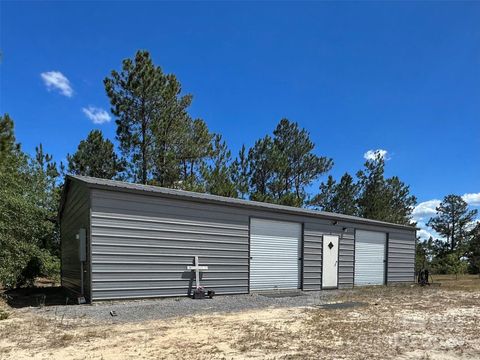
142	310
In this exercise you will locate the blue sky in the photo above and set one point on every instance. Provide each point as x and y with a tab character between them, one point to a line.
399	76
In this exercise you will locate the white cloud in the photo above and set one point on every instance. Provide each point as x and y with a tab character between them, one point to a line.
56	80
424	234
97	115
371	154
421	214
472	199
425	209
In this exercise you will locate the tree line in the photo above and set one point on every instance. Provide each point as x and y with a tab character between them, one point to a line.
458	251
160	144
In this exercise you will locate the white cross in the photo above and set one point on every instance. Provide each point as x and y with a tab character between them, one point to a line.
197	268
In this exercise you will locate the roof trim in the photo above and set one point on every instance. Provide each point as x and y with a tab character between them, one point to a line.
203	197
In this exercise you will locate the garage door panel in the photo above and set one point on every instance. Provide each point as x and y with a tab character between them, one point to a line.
274	252
370	258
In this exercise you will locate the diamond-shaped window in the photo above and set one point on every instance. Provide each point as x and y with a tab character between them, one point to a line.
330	245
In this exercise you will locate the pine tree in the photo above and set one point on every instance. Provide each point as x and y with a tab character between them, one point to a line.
262	168
161	143
240	173
192	152
400	201
346	194
217	175
95	156
283	166
383	199
169	131
297	165
7	137
324	200
452	221
136	96
339	198
473	250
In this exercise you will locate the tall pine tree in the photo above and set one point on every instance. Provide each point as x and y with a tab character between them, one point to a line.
240	173
95	156
452	220
383	199
136	96
339	198
217	173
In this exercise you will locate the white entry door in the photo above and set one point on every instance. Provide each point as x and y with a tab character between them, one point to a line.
274	254
370	257
330	262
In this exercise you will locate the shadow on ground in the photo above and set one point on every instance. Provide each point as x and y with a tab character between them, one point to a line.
37	296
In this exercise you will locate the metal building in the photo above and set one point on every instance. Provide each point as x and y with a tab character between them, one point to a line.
122	240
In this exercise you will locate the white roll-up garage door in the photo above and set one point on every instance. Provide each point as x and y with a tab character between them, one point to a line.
274	254
369	257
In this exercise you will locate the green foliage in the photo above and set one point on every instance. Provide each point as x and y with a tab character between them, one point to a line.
217	174
452	220
136	96
458	251
451	263
473	250
3	314
383	199
339	198
372	197
283	166
95	156
240	173
28	208
7	137
193	151
162	144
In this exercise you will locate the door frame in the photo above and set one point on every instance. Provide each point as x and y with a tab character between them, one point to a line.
385	259
300	250
323	261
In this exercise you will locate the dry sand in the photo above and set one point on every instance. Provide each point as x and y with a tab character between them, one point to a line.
396	323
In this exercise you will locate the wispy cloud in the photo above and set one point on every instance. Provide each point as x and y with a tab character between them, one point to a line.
372	154
97	115
473	199
55	80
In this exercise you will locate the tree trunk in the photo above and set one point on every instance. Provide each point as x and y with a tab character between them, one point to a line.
144	153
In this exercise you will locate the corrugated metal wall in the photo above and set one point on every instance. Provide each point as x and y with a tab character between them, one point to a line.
142	244
401	256
313	235
76	213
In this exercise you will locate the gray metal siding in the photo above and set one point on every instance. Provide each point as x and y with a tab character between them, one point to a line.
137	239
75	216
401	257
142	245
313	235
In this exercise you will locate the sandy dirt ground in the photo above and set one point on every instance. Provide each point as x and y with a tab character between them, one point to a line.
395	323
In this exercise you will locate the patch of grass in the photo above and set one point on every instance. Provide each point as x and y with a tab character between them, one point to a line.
462	282
3	314
258	335
62	340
